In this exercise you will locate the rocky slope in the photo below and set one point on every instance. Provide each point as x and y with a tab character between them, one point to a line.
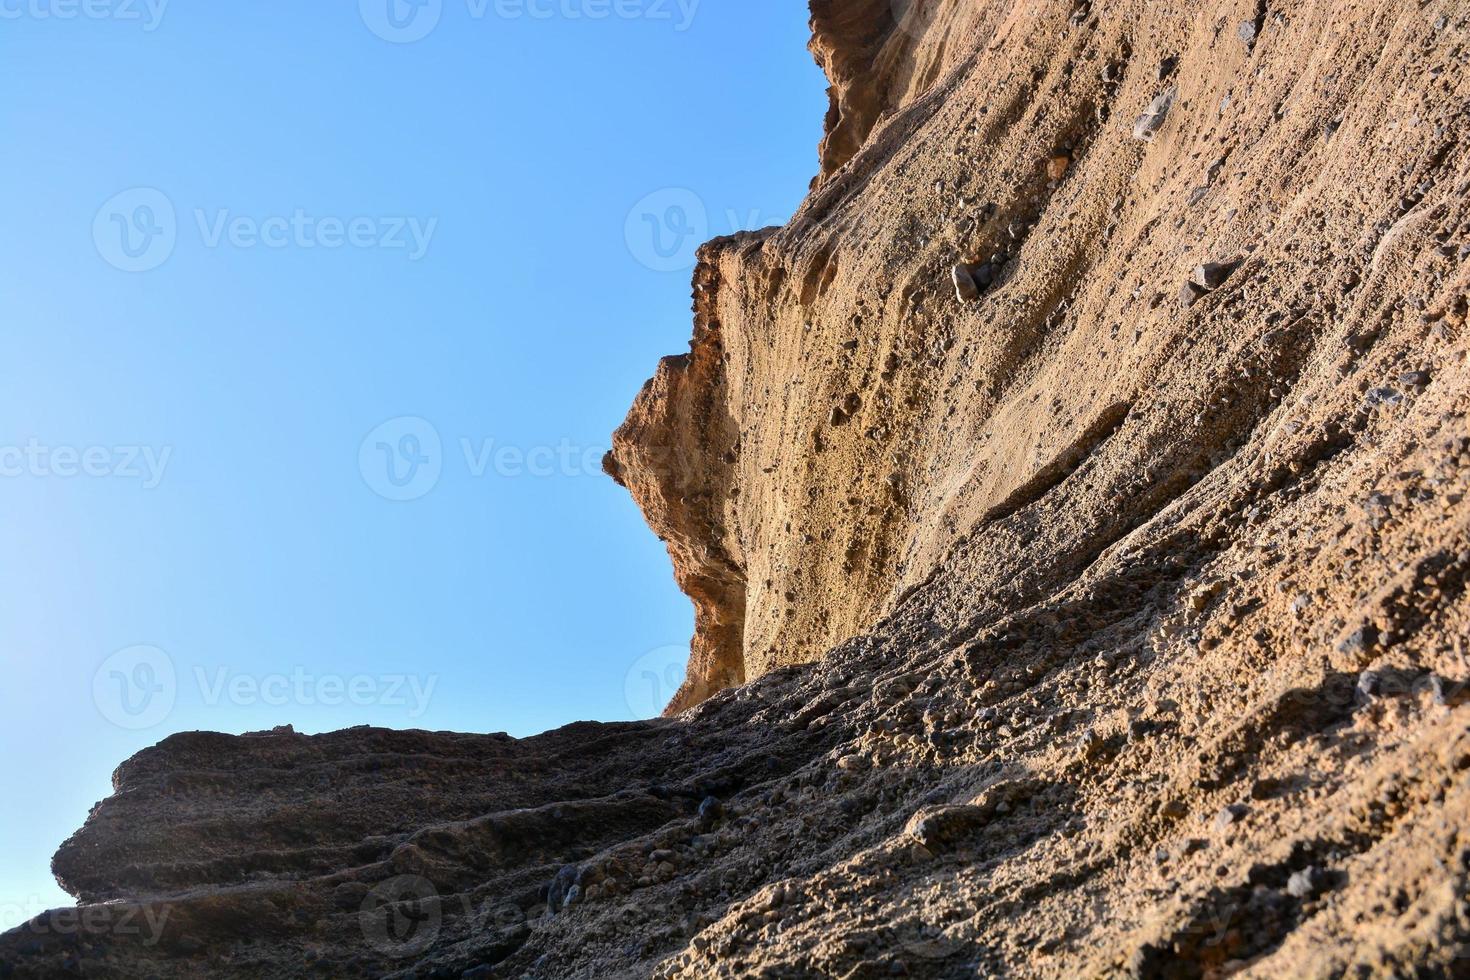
1072	500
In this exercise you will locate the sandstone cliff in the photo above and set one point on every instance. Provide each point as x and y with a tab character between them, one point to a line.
1072	500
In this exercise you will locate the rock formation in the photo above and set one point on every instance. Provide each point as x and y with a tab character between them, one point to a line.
1107	618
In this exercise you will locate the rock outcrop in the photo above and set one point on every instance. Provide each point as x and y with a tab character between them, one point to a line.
1107	619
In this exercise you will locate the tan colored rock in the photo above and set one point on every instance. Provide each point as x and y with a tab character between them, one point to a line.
965	289
1147	619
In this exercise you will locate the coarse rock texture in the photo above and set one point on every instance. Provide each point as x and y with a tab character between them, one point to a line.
1111	623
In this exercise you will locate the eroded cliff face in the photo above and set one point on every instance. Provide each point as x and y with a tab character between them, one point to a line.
1096	608
859	424
675	454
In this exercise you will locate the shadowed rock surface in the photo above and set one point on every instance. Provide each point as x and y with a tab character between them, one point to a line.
1108	623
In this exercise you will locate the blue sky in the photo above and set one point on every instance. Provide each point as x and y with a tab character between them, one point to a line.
316	321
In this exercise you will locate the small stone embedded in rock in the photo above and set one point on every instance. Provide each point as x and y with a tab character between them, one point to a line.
1446	693
1153	117
1056	166
1092	744
965	289
934	827
1247	32
1369	685
1382	396
1174	809
1212	275
1230	814
1360	641
711	809
1190	293
350	895
1265	788
1414	379
561	886
1306	883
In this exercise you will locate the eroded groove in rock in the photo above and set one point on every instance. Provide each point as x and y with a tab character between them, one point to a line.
1108	621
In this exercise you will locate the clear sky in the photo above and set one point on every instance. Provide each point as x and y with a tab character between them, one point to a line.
316	319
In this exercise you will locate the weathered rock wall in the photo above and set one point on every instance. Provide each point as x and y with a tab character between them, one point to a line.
856	423
1109	621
